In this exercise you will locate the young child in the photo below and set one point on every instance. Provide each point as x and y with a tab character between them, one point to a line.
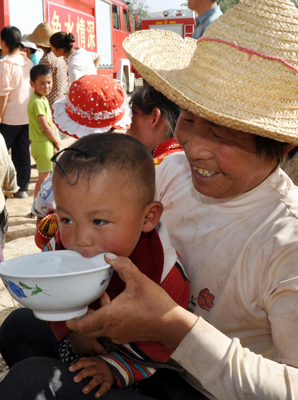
104	188
41	130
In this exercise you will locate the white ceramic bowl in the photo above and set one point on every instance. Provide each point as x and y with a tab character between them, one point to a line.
56	285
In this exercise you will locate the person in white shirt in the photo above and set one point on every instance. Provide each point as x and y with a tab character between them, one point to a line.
80	61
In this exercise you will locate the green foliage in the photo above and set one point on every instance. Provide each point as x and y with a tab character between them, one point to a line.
136	7
226	4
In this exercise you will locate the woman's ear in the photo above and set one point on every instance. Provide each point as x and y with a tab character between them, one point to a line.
156	116
152	215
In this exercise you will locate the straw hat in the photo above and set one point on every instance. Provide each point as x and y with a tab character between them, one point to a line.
94	104
41	35
243	73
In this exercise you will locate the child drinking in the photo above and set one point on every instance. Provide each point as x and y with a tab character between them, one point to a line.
41	129
104	191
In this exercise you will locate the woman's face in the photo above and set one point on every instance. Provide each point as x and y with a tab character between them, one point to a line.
224	162
57	52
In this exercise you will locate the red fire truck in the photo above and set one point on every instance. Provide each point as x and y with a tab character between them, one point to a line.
180	21
98	25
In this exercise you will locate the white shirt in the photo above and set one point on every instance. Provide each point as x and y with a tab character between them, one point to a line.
81	63
241	256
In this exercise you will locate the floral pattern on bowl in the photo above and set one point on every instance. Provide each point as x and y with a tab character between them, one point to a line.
18	290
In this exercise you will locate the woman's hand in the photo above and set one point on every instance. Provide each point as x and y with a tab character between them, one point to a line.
142	312
85	346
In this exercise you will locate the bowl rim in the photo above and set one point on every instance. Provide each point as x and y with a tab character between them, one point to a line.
65	274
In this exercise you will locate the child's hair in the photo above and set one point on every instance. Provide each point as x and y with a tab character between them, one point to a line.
39	70
12	37
109	152
62	40
146	98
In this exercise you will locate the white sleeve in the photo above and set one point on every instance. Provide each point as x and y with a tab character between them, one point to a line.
230	372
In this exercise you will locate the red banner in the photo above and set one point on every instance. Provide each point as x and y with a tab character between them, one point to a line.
81	25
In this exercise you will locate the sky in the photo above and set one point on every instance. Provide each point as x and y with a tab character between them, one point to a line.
161	5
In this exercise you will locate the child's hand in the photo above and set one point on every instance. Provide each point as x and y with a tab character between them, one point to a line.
96	368
85	346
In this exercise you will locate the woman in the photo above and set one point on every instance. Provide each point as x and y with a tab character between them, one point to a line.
154	121
80	61
230	210
15	92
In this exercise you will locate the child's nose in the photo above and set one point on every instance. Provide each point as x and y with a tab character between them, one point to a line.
82	238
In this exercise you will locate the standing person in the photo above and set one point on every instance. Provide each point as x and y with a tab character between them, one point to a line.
80	61
41	128
41	37
15	92
207	11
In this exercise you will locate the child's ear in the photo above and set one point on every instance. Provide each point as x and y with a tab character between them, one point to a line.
32	84
152	215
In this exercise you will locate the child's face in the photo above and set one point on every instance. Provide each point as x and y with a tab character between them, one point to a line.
43	85
99	215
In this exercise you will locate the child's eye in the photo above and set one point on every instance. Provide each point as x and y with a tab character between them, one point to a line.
66	221
100	222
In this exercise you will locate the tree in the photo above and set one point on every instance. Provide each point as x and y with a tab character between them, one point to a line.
136	7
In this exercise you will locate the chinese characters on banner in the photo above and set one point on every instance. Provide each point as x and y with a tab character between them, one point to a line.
81	25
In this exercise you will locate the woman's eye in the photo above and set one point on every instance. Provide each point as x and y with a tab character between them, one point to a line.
100	222
214	134
66	221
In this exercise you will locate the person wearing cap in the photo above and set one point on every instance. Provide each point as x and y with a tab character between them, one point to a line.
80	61
41	37
15	92
207	11
32	51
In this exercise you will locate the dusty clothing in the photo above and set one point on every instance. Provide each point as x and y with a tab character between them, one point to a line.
61	82
81	63
15	83
241	258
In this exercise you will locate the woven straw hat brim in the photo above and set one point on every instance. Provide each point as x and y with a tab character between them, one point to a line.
223	83
41	35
